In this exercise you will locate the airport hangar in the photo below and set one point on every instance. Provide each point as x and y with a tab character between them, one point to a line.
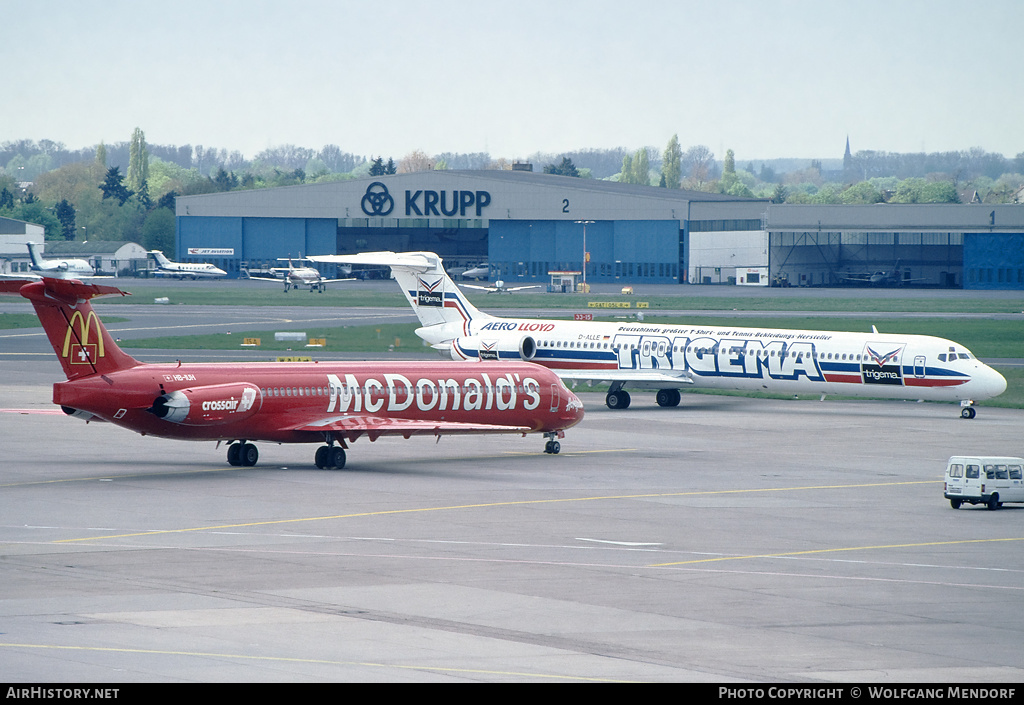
527	225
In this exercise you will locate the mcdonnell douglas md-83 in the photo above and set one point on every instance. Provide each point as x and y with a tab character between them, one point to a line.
669	358
286	402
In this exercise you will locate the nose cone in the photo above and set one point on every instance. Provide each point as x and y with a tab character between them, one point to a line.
993	383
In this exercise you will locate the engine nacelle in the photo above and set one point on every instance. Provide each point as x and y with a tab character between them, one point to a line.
208	406
481	348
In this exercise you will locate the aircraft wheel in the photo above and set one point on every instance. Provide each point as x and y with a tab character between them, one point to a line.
668	397
617	400
553	447
968	412
234	454
248	455
954	503
321	457
336	456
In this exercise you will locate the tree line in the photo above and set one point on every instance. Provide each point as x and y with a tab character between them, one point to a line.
126	191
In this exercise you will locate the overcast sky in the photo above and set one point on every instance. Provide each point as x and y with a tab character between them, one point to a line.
766	78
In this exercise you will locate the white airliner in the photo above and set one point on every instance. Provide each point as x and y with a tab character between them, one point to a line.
295	277
184	270
64	268
670	358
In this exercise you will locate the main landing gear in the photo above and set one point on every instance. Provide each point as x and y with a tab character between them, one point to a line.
330	457
243	454
618	398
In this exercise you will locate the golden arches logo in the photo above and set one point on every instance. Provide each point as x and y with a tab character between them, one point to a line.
82	352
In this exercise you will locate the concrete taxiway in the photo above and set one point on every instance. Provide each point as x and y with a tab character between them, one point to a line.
728	539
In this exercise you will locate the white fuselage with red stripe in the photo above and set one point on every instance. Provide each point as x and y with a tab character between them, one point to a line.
673	357
757	359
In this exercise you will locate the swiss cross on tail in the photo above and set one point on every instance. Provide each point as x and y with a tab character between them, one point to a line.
83	354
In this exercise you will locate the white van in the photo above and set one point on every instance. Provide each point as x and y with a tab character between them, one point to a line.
984	480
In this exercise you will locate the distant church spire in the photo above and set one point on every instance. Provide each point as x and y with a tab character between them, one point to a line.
848	166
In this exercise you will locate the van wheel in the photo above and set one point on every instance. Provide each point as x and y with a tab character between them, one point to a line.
993	503
954	503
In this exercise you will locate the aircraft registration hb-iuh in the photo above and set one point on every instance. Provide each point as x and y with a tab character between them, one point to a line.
286	402
670	358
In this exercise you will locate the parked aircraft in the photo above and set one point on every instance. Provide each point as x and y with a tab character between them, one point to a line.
61	268
331	402
881	277
296	277
480	271
500	288
184	270
670	358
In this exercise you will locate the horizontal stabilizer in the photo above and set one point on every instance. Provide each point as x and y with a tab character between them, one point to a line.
407	260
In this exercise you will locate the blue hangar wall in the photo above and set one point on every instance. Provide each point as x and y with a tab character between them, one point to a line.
638	250
254	238
993	261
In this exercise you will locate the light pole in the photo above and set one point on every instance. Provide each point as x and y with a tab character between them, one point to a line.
584	223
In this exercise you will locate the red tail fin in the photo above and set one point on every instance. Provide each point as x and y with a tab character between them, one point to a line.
76	333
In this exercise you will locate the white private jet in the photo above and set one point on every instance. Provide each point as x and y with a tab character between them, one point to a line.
184	270
480	271
296	277
62	268
670	358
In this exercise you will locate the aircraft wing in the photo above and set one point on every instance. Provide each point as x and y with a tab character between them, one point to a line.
481	288
354	425
520	288
389	259
329	281
264	277
674	377
23	277
34	276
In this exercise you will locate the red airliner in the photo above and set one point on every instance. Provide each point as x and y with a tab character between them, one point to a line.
286	402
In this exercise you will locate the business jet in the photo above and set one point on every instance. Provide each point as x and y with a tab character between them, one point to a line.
480	271
64	268
286	402
499	287
670	358
184	270
297	277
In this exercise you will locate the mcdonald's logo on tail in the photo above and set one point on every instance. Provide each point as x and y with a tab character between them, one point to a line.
83	352
76	333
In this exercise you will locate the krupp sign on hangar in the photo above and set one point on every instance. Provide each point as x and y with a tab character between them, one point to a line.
377	201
